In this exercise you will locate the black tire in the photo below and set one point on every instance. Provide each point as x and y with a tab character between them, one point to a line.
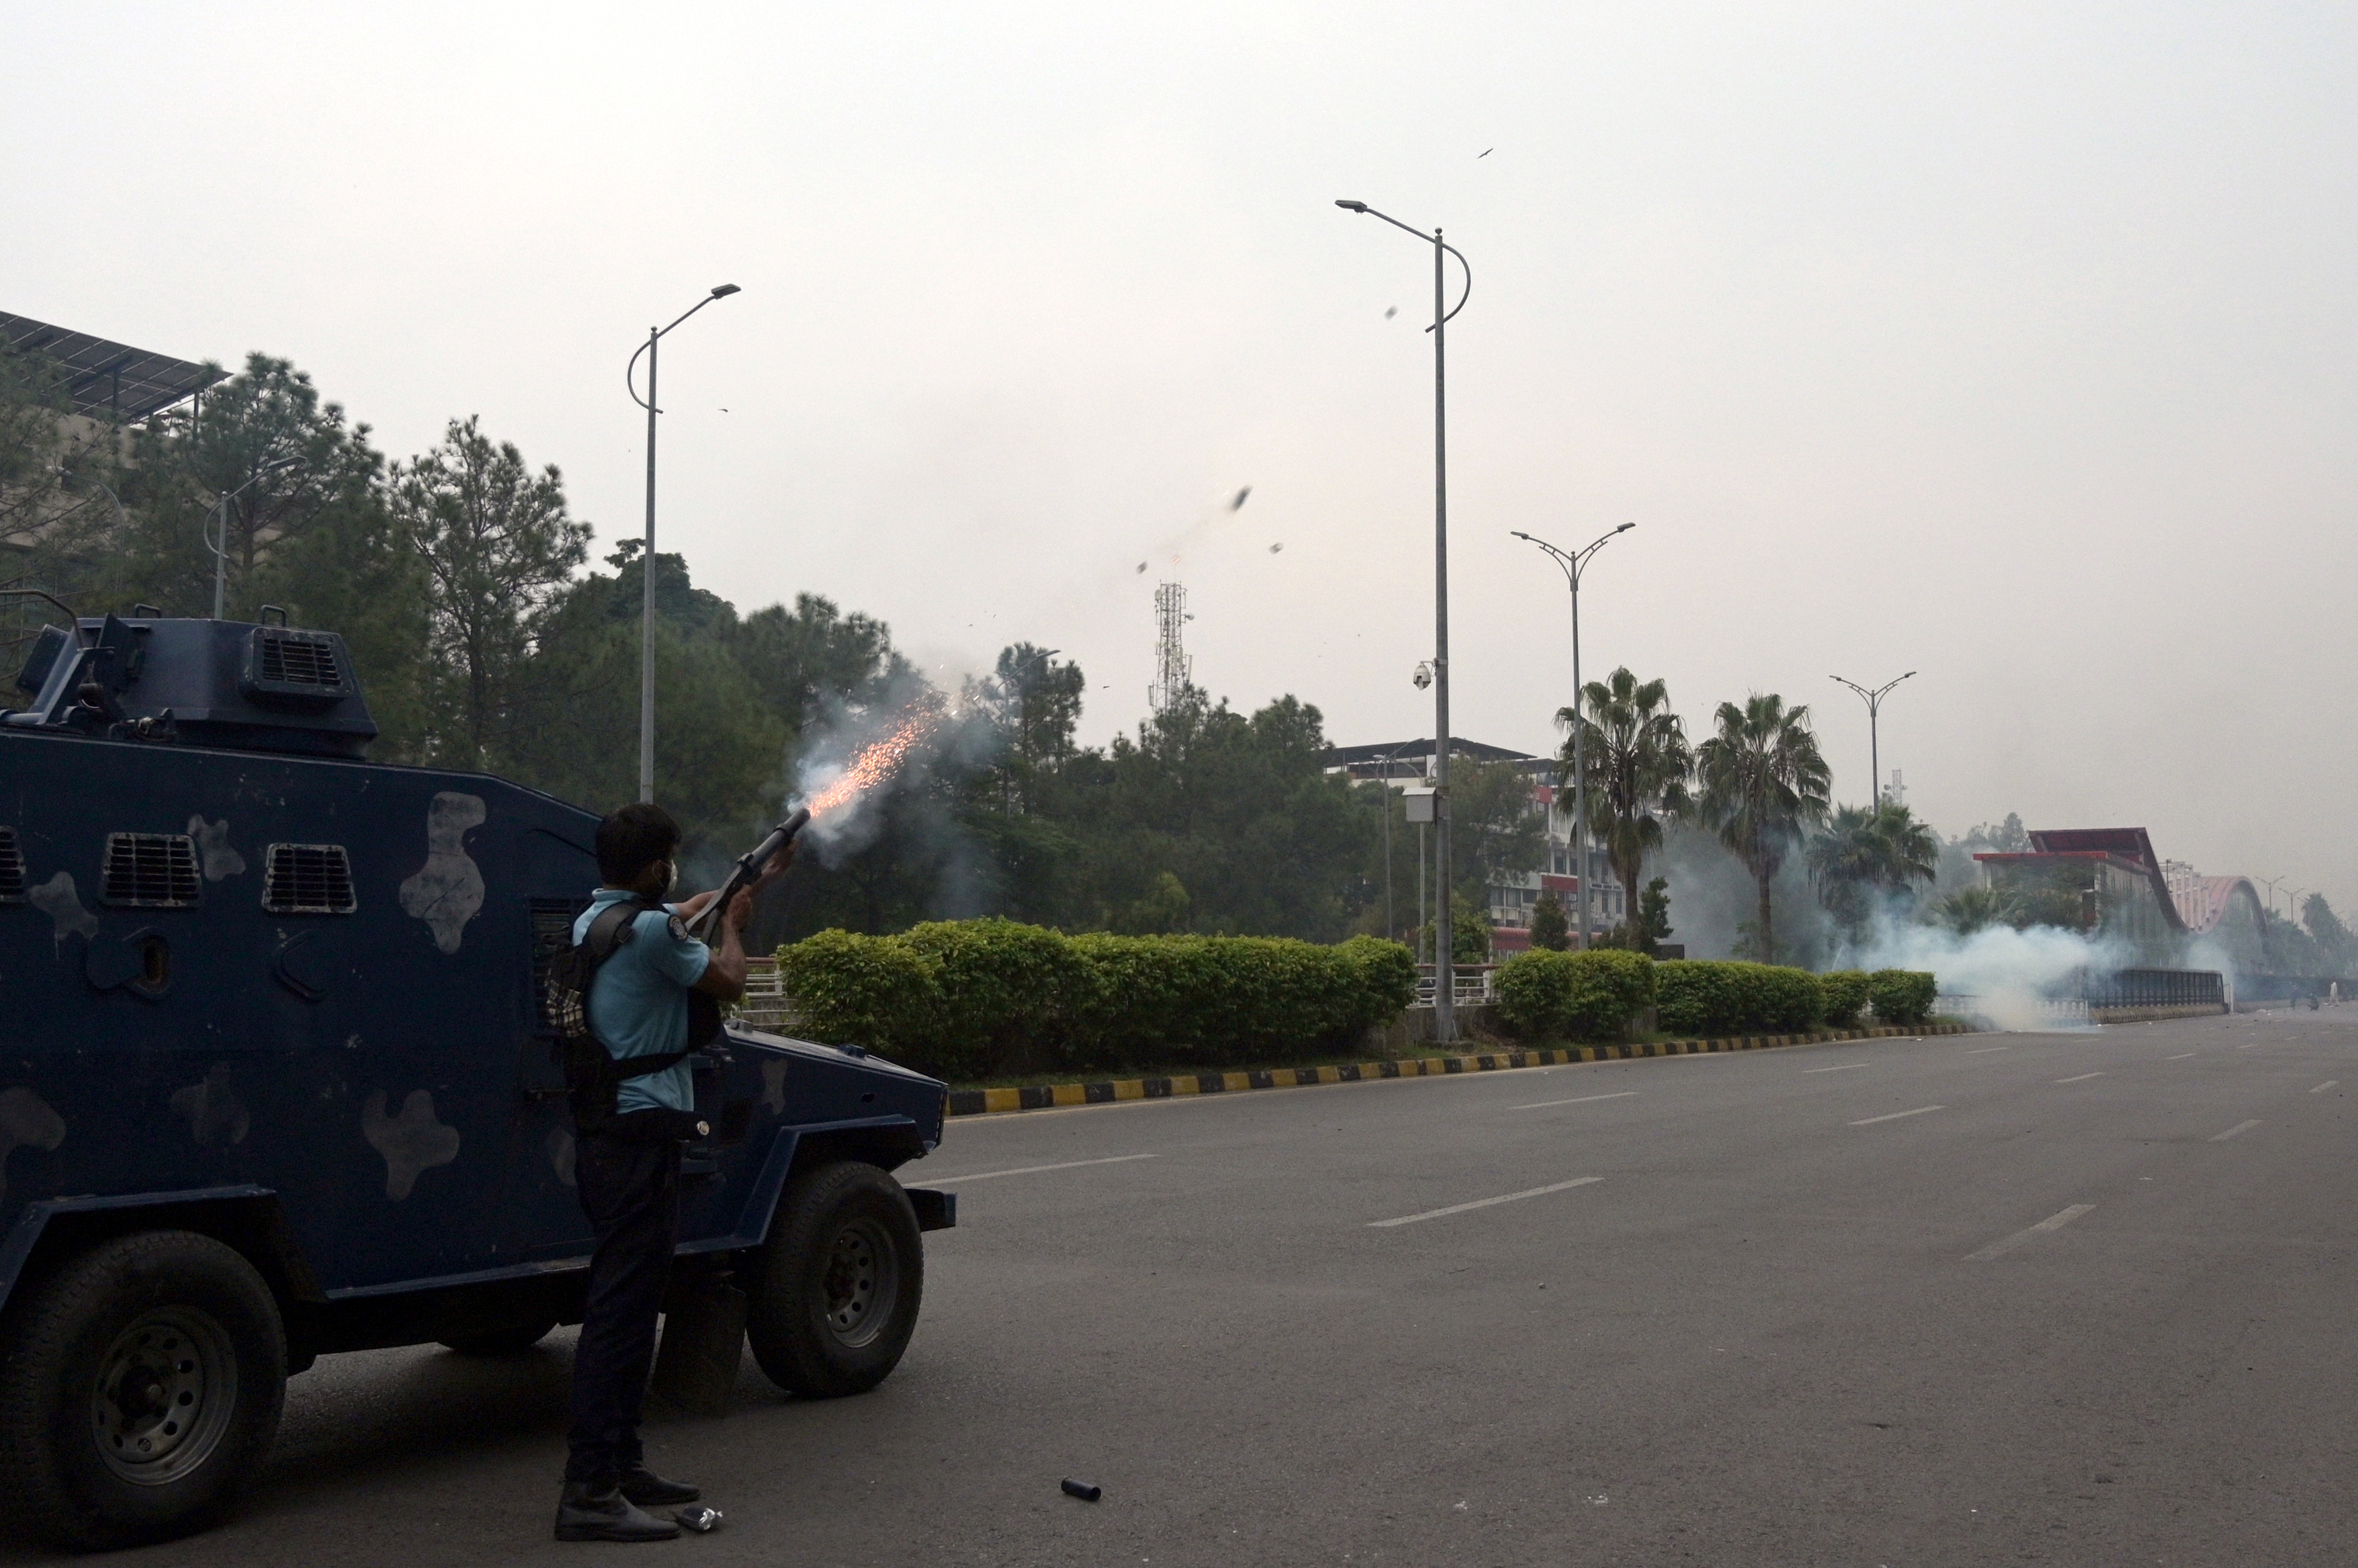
837	1287
142	1387
512	1341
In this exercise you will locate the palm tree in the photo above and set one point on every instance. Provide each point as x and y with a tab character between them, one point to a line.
1761	785
1867	850
1638	760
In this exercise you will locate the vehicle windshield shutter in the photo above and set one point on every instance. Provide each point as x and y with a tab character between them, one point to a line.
289	659
309	879
11	868
149	871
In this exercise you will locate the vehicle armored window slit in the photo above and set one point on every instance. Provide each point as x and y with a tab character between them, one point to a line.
149	871
11	868
307	879
293	658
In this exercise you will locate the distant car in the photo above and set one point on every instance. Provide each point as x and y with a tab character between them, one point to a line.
275	1081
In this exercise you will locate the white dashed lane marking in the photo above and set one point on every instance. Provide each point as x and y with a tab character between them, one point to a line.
1484	1203
1035	1170
2239	1126
2052	1222
2080	1079
1846	1067
1584	1099
1896	1115
2325	1085
2179	1058
1985	1050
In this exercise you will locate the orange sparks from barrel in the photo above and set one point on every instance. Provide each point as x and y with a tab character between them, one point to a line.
875	763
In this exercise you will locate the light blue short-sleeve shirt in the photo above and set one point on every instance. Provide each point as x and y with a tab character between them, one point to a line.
638	1006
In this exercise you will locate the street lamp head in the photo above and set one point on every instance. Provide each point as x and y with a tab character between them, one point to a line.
1625	527
1519	534
1352	206
725	290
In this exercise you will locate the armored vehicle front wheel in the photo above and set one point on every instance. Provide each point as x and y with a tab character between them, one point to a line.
836	1289
143	1383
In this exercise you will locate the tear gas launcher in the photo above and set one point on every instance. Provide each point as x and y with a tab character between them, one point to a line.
745	873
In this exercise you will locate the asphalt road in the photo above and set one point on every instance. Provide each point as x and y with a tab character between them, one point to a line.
2071	1298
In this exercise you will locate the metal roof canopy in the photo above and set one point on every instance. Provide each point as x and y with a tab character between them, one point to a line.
108	380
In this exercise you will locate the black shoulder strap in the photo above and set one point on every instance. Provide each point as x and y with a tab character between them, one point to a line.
615	925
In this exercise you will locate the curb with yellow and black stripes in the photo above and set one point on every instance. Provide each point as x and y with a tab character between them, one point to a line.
1044	1097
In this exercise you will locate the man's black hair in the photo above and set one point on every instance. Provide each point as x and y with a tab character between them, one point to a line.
633	838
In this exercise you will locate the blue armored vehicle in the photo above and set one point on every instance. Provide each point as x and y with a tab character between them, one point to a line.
276	1082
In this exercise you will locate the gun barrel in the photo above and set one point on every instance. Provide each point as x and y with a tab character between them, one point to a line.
748	869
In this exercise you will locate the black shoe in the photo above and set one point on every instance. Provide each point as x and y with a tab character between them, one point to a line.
591	1510
649	1490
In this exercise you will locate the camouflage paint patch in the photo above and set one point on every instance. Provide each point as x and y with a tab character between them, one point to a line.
448	889
412	1143
216	1117
560	1154
26	1120
212	843
56	899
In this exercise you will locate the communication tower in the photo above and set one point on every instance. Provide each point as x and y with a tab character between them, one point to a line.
1174	670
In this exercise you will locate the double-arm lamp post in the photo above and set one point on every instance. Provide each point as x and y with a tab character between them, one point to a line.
647	558
1574	562
1444	1012
1874	701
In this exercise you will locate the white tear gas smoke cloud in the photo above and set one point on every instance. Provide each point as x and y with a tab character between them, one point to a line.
2009	975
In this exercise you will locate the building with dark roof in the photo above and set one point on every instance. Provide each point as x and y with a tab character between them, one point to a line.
2167	915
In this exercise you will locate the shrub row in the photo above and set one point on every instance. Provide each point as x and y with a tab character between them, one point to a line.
1544	995
1594	995
979	998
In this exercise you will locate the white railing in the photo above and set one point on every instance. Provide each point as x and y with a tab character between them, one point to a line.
1471	985
765	1005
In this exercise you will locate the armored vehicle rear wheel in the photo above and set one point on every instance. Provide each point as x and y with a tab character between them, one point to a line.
142	1384
836	1291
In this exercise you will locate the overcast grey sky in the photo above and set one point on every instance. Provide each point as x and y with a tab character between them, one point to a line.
2010	343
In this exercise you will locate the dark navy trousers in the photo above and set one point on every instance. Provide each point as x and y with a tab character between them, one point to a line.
630	1190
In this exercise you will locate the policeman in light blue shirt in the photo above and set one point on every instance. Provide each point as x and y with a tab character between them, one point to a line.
639	1005
626	1164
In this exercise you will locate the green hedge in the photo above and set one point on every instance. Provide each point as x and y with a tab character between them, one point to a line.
1545	995
1902	996
980	999
1703	997
1845	992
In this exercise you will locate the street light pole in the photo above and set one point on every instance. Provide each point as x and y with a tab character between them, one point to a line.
647	558
1874	749
1391	929
1444	1014
218	540
1573	561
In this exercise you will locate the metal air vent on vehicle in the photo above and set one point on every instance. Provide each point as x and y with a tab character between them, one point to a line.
11	868
149	871
304	667
307	879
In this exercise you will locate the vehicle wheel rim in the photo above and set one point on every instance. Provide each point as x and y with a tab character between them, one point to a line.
165	1392
862	1283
